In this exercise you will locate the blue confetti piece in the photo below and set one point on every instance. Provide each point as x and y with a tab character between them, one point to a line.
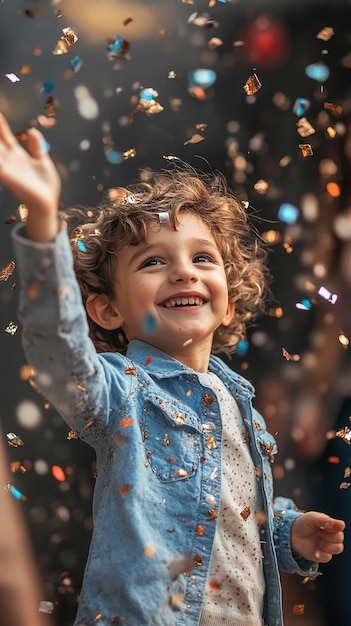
202	78
81	245
116	45
304	305
76	63
301	106
44	145
114	157
317	71
15	492
242	347
149	325
288	213
147	94
48	87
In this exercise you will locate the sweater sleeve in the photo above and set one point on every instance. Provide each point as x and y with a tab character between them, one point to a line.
55	335
285	513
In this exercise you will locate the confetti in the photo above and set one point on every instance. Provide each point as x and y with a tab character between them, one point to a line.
301	106
58	473
344	434
298	609
317	71
304	128
68	39
15	492
14	440
245	513
336	108
196	138
11	328
327	295
7	271
290	357
343	340
118	48
306	149
129	154
288	213
304	305
326	33
13	78
252	85
203	78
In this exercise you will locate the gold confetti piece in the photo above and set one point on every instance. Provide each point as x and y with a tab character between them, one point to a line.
14	440
7	271
165	440
252	85
211	443
298	609
127	21
245	513
215	42
68	39
306	149
187	342
200	530
73	434
170	157
336	108
278	312
196	138
180	473
171	74
16	466
290	357
261	186
70	36
326	33
11	328
97	618
344	434
343	340
344	485
25	70
304	128
129	154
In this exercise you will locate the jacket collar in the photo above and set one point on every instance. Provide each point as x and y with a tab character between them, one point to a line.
161	365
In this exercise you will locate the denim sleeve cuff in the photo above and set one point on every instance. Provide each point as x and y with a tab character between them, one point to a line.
283	519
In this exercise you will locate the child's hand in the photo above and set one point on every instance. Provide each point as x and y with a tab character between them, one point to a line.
32	177
316	536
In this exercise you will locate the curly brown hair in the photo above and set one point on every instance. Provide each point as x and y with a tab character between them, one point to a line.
124	217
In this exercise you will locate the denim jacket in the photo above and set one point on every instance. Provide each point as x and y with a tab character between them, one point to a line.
158	485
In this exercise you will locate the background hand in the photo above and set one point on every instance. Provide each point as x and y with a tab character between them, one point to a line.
317	537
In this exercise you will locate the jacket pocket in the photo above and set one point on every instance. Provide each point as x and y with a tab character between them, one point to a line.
173	443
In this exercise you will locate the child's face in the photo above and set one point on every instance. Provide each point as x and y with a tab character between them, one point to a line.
171	290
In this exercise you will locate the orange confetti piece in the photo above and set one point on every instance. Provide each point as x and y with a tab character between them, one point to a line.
58	473
333	459
126	421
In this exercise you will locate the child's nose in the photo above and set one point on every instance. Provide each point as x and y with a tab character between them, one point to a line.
184	272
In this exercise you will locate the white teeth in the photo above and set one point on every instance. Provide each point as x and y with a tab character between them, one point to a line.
184	302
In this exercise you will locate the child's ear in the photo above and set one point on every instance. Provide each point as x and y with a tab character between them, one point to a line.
228	318
102	312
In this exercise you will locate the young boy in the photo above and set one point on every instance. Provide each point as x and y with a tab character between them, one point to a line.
185	531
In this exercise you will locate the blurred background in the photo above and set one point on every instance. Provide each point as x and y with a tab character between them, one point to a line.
261	92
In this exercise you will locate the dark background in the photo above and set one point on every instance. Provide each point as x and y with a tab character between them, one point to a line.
245	138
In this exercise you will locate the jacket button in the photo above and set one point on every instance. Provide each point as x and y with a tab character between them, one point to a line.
208	427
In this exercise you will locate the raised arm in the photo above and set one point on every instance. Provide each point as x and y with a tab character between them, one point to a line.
32	177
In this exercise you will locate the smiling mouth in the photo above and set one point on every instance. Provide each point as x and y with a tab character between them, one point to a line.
180	302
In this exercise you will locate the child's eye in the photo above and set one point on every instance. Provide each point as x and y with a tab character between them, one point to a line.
203	258
151	262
